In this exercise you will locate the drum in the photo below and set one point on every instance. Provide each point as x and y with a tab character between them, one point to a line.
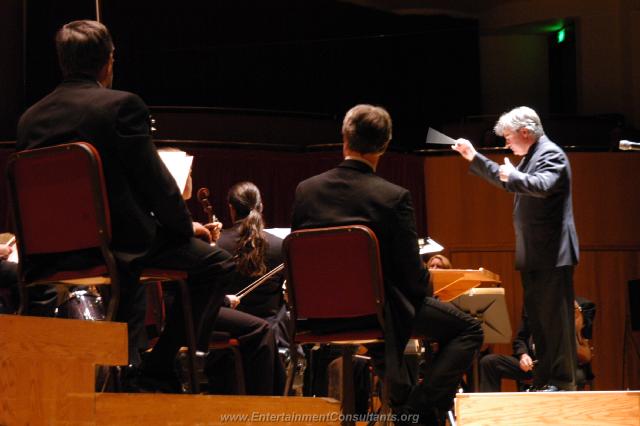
82	304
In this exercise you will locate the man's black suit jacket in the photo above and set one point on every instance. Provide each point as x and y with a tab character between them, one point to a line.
542	212
352	194
143	196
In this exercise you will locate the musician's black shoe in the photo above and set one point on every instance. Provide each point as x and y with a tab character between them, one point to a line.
546	388
405	416
137	380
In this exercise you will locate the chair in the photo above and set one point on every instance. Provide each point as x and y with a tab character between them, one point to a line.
335	288
60	208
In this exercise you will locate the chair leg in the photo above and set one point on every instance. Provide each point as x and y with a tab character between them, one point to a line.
191	336
24	298
291	369
348	388
239	370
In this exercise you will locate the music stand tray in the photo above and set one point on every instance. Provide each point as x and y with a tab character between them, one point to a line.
451	283
489	306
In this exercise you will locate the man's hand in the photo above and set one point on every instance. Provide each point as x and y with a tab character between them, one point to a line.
233	300
506	169
5	251
526	363
465	148
201	232
214	229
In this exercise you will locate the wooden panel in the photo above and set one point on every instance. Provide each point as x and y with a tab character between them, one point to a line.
560	408
93	341
156	409
44	359
606	199
457	203
464	210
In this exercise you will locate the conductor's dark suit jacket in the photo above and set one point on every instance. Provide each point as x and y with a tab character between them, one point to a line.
146	204
352	194
542	212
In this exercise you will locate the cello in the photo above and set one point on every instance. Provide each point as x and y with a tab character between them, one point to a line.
203	198
584	350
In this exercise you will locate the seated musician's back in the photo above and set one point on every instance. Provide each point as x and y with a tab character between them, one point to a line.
151	225
352	193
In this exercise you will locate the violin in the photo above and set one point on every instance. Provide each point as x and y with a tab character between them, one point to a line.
203	199
582	343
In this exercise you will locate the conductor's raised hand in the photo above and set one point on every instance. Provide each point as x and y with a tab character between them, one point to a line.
465	148
506	169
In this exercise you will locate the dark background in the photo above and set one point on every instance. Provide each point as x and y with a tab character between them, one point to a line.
316	56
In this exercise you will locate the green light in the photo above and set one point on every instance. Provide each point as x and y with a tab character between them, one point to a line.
561	36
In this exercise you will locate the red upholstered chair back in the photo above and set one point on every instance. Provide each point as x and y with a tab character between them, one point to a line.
334	273
59	199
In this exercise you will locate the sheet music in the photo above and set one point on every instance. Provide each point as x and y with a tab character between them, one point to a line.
427	245
278	232
179	165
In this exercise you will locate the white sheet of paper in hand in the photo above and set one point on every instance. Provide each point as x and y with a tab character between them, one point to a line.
179	165
434	136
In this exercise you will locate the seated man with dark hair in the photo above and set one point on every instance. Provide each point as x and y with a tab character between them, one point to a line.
520	365
151	226
353	194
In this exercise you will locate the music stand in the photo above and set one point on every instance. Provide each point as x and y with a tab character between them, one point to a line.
448	284
488	305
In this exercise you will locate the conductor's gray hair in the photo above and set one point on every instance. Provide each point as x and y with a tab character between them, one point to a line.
518	118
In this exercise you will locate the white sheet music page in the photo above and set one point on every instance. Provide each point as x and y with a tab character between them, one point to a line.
179	165
279	232
427	245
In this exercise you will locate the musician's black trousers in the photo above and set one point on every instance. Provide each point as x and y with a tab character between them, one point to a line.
493	368
208	271
459	337
548	300
263	370
9	298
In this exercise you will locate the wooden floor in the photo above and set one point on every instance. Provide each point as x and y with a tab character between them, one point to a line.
47	375
555	408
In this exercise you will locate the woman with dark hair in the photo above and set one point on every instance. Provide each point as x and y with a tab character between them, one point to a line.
254	252
263	370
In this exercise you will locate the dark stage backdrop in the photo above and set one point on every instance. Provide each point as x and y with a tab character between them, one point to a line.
314	56
275	173
278	173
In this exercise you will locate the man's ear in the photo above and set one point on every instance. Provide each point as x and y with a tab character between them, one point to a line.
104	76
